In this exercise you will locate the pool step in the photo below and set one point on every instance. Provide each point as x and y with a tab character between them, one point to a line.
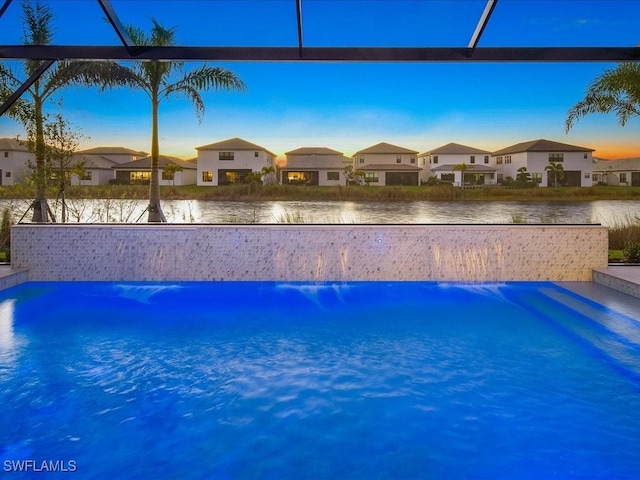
610	333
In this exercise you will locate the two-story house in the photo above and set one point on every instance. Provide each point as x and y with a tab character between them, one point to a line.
314	166
536	155
386	164
15	159
458	164
97	164
230	161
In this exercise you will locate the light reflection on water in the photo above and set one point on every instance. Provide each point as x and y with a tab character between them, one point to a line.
607	212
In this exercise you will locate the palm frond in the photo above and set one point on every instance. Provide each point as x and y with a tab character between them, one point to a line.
207	78
616	90
37	23
101	74
192	94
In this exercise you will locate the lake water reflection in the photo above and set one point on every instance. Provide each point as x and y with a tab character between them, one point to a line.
420	212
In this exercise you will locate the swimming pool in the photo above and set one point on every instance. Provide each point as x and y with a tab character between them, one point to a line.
355	380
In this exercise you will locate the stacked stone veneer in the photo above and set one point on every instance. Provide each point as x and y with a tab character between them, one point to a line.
309	252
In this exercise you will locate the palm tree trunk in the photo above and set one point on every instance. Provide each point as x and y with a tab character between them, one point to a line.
40	207
154	209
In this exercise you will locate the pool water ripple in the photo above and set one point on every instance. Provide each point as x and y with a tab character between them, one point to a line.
265	381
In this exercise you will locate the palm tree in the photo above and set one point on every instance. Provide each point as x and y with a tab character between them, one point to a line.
30	111
158	80
616	90
557	170
461	167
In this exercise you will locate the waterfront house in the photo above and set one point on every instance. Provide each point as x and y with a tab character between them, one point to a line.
314	166
625	172
386	164
536	155
441	163
15	159
138	172
97	164
230	161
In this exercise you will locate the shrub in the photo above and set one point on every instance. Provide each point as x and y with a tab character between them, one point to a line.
631	252
5	236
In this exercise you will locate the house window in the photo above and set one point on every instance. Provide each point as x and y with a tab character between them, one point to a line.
447	177
585	156
207	176
6	154
361	159
371	177
413	160
536	177
499	178
556	157
86	175
398	158
435	159
139	178
498	160
333	175
507	159
587	175
256	154
596	177
225	155
486	159
472	159
623	177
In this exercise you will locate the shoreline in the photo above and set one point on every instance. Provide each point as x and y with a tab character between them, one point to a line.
246	193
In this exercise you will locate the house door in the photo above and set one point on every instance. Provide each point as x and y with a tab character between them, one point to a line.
635	179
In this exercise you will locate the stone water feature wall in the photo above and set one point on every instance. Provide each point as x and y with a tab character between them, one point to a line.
467	253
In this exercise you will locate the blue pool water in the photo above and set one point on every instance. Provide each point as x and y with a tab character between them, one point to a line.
348	381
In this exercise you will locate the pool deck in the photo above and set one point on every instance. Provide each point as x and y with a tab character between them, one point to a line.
623	278
10	277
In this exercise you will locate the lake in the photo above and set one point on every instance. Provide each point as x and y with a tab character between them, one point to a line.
606	212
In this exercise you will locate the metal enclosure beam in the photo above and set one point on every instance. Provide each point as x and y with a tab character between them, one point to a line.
44	66
324	54
482	23
116	24
4	7
299	17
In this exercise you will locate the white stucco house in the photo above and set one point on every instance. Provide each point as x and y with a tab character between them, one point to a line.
536	155
98	163
314	166
138	172
229	161
624	172
441	163
14	161
387	164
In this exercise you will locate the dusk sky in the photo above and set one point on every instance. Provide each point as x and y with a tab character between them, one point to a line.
350	106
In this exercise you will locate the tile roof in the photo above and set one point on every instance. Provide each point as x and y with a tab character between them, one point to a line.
456	149
622	165
12	145
111	151
314	162
395	167
385	148
234	144
470	168
542	146
95	162
313	151
145	163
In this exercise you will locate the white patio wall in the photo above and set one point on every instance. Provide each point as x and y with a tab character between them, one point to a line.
475	253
